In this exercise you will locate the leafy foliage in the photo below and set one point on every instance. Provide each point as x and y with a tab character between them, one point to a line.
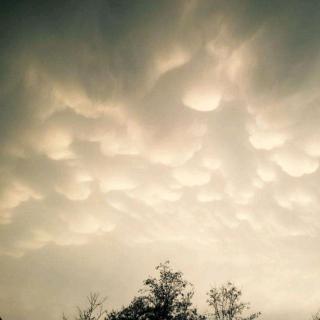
165	298
169	297
316	316
226	303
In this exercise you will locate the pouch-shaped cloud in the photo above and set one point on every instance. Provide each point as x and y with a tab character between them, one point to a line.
75	99
119	144
240	196
74	189
208	196
267	140
266	172
37	242
171	59
117	181
84	224
13	195
202	98
191	176
54	142
174	149
210	162
295	163
153	194
312	145
163	127
294	197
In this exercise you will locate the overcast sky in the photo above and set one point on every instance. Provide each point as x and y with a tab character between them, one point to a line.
134	132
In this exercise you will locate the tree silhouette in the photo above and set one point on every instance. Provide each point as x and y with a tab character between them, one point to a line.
316	316
165	298
94	311
137	309
169	297
226	303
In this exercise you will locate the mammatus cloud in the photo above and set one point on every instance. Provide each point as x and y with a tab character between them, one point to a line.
138	131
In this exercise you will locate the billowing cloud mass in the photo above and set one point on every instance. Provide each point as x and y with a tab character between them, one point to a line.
132	132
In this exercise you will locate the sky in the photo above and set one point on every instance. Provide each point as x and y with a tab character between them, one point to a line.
135	132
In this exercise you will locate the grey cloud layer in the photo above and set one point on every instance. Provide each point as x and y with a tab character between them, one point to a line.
185	127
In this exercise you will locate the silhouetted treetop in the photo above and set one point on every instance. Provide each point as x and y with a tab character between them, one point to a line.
94	311
316	316
169	297
226	303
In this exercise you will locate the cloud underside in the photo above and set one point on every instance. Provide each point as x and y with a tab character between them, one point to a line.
192	123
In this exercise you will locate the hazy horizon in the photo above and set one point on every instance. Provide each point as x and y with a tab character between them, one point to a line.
134	132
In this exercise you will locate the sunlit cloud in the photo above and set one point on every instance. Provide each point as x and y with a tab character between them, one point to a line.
202	99
295	163
139	131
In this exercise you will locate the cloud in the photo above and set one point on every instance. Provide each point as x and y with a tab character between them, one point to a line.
202	99
267	140
295	163
188	176
176	128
